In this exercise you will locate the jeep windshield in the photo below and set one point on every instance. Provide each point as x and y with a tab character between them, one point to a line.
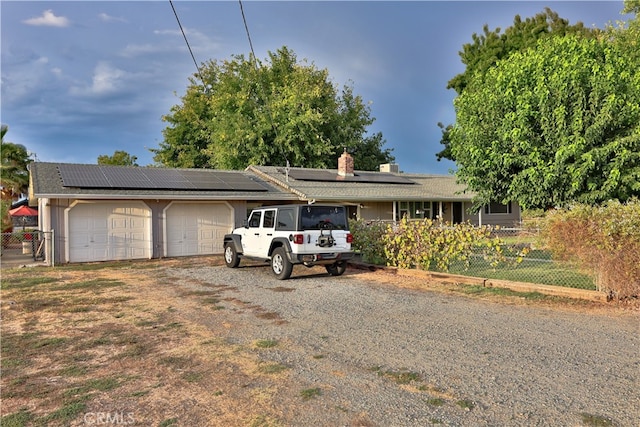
323	218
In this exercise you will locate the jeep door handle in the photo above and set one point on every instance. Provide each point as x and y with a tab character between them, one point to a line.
269	234
256	234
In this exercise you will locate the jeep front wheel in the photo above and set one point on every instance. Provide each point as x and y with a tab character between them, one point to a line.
280	264
336	269
231	257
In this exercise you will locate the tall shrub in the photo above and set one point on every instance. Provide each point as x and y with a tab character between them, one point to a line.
429	244
367	239
603	240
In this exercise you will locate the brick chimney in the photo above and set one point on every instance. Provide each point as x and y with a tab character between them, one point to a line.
345	164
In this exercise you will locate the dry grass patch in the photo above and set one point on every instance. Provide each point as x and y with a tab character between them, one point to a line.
116	338
390	278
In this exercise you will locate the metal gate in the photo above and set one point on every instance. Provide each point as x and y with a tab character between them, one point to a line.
26	247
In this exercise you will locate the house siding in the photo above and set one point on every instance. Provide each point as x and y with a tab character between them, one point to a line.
512	219
376	211
54	211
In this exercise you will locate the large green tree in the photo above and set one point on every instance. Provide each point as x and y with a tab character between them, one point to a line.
554	124
491	46
245	112
119	158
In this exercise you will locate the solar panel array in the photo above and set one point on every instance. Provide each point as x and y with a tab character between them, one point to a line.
330	176
121	177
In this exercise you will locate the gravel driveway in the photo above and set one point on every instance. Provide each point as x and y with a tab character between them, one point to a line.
380	355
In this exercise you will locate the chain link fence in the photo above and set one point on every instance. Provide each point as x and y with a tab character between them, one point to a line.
26	247
524	259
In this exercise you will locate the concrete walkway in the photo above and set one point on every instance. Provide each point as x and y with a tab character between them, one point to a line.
14	259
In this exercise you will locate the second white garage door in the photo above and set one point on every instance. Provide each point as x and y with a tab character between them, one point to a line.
196	228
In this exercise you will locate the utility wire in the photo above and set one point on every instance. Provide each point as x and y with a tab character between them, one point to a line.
188	46
246	28
266	99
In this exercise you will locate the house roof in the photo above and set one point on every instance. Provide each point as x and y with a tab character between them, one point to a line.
68	180
311	184
258	183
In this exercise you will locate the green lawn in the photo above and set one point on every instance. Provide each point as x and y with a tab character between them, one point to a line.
540	269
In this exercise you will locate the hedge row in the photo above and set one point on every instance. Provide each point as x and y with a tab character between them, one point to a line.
603	240
426	244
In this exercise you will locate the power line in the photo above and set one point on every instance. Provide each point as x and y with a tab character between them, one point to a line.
246	28
187	42
264	96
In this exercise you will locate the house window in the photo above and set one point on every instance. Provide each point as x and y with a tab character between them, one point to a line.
414	210
497	208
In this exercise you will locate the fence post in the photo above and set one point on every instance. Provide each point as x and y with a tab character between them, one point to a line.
52	254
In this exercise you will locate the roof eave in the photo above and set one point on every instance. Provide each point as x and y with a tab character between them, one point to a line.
282	196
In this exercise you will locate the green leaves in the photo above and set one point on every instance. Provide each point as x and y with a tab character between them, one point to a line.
280	110
429	244
553	124
14	160
119	158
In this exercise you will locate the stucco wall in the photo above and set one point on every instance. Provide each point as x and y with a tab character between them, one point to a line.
56	212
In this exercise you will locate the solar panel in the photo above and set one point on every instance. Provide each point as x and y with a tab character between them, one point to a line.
121	177
168	179
331	176
82	176
99	176
382	177
206	180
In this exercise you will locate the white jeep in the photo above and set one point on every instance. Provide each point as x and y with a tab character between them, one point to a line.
293	234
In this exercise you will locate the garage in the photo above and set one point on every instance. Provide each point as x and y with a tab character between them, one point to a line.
107	231
193	228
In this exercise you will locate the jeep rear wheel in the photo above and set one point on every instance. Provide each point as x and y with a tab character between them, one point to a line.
337	269
231	257
280	264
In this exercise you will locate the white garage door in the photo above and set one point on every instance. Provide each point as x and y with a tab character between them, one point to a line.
105	231
196	228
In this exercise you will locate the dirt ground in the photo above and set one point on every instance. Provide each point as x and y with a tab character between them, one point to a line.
97	343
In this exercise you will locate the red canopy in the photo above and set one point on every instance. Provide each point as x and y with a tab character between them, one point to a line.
23	211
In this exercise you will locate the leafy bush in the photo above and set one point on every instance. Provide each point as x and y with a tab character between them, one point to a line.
367	239
429	244
603	240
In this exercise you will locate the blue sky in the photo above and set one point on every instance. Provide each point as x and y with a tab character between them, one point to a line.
85	78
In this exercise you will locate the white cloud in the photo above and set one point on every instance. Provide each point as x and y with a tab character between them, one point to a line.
48	19
106	79
200	43
134	50
168	32
108	18
24	80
